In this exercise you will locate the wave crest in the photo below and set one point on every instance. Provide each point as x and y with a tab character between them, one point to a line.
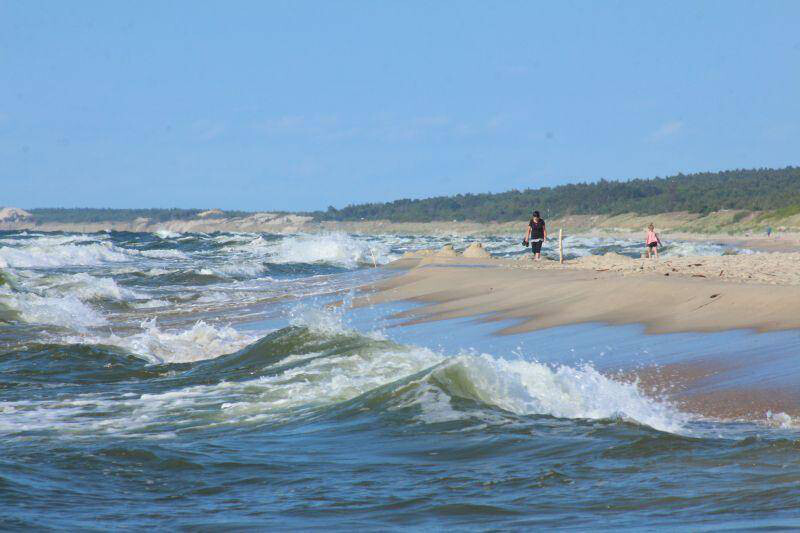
60	255
531	388
201	341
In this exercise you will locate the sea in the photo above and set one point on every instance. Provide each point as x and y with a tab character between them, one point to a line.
225	382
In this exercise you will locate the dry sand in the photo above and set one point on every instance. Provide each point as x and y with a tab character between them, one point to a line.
754	291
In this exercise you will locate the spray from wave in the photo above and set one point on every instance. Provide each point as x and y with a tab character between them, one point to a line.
338	249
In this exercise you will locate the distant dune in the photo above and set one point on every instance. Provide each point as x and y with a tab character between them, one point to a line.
14	214
726	223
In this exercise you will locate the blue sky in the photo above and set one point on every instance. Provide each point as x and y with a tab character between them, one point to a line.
300	105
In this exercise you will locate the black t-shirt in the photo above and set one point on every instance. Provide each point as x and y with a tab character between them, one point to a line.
537	229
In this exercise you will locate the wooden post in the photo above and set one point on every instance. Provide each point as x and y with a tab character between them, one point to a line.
374	262
560	245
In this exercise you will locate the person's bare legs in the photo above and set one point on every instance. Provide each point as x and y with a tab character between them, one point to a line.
537	256
655	249
647	251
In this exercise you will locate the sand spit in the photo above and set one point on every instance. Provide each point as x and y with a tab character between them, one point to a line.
754	291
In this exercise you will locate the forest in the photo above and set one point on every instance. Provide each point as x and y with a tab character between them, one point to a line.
761	189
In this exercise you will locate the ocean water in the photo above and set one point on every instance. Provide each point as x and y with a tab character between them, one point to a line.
214	382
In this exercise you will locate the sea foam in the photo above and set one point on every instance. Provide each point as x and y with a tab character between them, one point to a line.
201	341
65	311
60	255
531	388
337	249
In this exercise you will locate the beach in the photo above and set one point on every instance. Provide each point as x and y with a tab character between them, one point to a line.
753	291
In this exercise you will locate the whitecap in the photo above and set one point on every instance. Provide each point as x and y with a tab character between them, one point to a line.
62	255
335	248
167	234
201	341
66	311
531	388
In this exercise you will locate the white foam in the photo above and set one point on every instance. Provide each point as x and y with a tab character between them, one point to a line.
37	256
150	304
526	388
201	341
158	272
163	254
235	238
691	248
167	234
330	320
214	297
335	249
326	381
781	420
319	382
240	269
87	287
66	311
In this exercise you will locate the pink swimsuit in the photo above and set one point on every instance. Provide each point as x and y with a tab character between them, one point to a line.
651	237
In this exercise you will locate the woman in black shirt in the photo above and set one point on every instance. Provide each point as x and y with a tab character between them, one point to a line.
536	235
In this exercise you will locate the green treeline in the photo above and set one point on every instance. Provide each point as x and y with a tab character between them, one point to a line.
757	190
771	190
90	214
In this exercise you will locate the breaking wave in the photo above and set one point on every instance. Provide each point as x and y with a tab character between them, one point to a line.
60	255
531	388
201	341
336	249
64	311
167	234
298	372
86	287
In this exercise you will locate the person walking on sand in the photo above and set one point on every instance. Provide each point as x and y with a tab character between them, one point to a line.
652	241
536	235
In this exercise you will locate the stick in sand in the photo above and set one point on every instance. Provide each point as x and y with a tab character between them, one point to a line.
560	245
374	262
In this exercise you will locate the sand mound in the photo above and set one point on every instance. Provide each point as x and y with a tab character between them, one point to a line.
416	254
609	258
211	213
476	249
447	251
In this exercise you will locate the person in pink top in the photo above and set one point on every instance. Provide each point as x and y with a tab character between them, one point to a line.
652	241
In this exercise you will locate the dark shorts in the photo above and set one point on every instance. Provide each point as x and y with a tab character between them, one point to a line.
652	245
536	247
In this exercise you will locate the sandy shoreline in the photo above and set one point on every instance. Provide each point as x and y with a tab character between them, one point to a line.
754	291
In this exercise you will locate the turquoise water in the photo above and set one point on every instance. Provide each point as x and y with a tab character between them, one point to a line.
203	382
